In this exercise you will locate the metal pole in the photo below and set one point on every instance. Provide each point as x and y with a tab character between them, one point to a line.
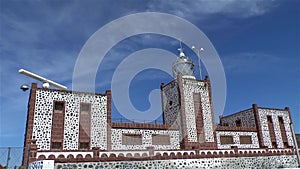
295	143
8	157
199	62
27	157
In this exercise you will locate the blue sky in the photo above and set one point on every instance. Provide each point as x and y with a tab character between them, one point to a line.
258	42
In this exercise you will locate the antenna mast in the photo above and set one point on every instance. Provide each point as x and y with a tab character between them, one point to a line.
199	60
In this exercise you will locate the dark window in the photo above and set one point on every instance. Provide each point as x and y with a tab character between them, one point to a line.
85	107
170	103
280	119
84	146
158	139
226	139
274	145
285	145
225	124
59	106
245	140
56	145
238	123
131	139
269	118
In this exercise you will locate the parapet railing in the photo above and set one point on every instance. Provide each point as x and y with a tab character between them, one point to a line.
151	154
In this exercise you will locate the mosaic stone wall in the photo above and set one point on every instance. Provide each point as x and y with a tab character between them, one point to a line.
116	139
171	105
43	118
191	86
247	119
219	163
274	113
236	139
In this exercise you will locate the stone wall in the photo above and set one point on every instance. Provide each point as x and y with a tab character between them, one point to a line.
147	135
43	114
171	105
246	117
236	139
268	129
170	102
191	86
288	161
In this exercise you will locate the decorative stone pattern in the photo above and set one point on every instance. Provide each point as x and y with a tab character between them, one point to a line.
116	139
43	164
236	139
275	113
247	119
191	86
171	105
44	111
284	161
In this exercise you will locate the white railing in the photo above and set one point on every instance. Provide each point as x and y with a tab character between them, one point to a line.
65	154
146	153
125	153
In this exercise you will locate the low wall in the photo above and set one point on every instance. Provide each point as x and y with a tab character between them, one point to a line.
288	161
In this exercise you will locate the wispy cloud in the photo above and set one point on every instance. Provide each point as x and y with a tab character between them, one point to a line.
200	9
246	62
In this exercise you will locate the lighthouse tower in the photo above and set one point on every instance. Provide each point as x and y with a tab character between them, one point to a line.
187	104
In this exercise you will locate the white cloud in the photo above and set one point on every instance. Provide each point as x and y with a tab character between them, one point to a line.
199	9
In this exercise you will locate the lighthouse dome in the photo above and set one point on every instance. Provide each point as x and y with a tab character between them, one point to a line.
184	65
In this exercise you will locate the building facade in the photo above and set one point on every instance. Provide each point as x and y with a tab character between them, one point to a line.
69	126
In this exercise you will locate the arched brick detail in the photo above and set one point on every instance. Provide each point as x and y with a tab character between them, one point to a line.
61	156
104	156
41	157
112	155
158	154
136	155
51	157
128	155
121	155
144	155
172	155
79	156
88	156
70	156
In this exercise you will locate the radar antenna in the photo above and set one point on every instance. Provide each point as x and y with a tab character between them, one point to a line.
46	82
